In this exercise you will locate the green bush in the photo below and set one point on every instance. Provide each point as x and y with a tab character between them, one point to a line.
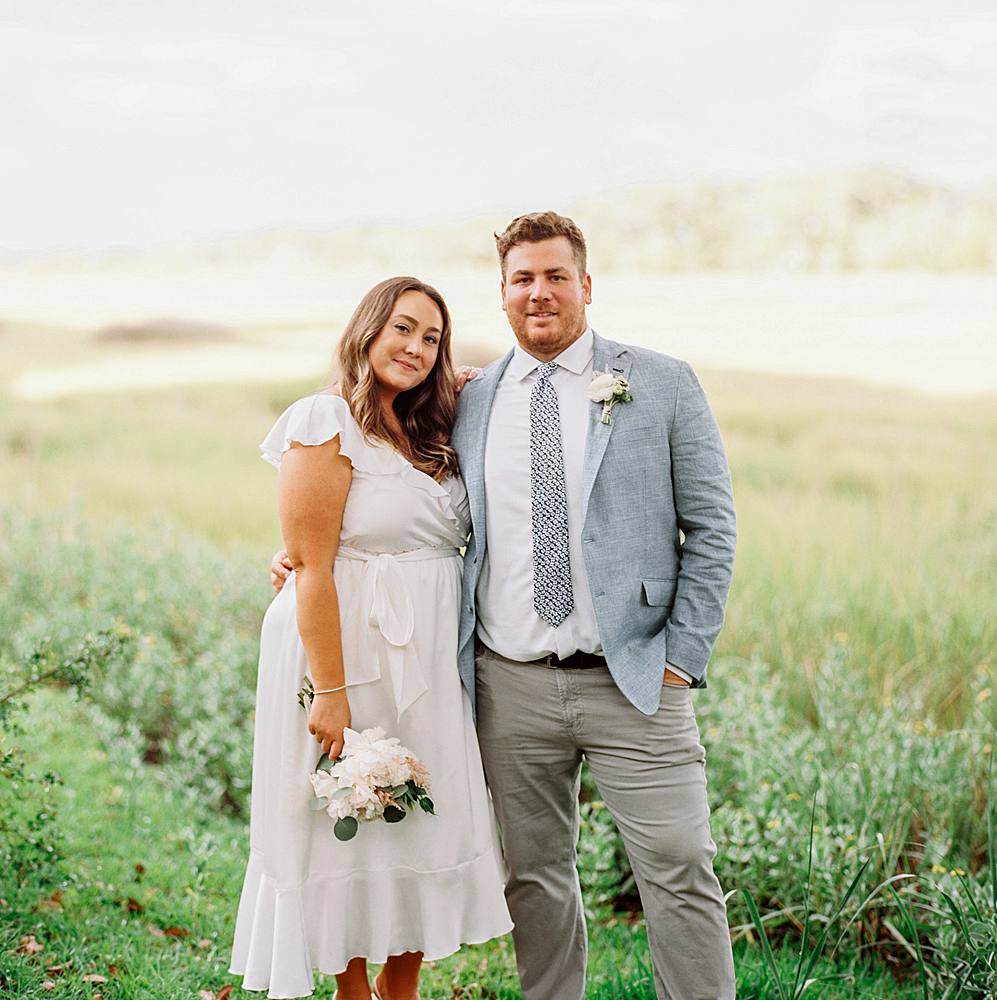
30	841
895	791
184	693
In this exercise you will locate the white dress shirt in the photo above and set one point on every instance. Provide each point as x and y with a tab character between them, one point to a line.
507	620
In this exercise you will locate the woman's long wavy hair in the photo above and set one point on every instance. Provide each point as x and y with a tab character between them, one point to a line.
426	412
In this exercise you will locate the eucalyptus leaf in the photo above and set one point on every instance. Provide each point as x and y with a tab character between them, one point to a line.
427	805
325	763
399	790
392	814
346	828
318	803
342	793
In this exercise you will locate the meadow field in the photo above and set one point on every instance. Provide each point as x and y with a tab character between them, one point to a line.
849	719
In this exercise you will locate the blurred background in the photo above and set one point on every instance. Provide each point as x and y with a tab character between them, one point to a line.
800	199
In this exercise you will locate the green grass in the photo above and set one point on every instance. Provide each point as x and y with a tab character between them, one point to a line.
140	861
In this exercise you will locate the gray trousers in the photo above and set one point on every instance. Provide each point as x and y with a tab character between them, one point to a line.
534	725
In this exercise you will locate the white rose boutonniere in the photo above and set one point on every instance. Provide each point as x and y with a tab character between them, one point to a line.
609	389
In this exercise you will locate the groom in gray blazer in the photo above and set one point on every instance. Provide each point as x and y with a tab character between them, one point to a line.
595	582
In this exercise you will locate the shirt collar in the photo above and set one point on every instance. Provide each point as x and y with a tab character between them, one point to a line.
575	357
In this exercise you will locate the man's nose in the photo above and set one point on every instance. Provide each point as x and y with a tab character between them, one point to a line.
540	290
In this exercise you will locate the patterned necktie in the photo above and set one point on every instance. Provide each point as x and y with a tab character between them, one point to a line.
552	596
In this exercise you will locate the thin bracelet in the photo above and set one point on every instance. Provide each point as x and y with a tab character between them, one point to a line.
330	690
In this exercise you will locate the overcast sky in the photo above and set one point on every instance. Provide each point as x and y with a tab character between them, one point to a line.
133	123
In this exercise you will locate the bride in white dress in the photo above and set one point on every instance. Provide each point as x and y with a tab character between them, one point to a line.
372	513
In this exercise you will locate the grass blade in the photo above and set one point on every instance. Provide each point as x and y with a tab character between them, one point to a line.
908	916
805	937
756	919
822	940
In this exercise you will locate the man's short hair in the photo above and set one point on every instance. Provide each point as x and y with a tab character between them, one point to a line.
539	226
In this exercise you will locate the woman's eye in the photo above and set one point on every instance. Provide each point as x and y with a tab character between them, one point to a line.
402	327
431	340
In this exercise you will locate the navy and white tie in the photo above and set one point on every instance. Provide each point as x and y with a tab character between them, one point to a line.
552	596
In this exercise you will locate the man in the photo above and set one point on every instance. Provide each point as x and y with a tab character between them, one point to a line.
594	587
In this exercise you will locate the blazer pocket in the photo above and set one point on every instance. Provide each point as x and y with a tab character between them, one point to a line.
660	593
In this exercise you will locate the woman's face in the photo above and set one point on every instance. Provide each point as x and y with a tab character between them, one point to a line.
403	354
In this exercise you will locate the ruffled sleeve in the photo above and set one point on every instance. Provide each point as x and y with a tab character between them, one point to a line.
314	420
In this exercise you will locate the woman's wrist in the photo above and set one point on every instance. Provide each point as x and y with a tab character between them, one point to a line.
331	690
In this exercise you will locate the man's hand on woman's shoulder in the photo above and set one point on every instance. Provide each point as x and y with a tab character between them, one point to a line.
463	375
280	570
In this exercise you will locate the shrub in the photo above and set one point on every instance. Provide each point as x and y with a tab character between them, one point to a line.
183	694
895	790
29	833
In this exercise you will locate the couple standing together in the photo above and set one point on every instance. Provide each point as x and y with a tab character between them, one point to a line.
599	546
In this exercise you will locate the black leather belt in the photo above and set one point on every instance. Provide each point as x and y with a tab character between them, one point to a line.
576	661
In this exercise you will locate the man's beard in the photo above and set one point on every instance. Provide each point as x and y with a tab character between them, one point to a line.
558	335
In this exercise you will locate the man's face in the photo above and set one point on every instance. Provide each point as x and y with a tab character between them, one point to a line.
544	296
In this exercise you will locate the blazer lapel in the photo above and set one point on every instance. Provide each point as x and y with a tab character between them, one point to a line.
476	417
611	357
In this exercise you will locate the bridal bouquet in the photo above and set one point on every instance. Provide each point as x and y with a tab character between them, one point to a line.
375	777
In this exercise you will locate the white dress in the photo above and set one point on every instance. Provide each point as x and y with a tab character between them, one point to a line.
429	883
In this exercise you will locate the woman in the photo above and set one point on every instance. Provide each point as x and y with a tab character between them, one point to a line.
372	512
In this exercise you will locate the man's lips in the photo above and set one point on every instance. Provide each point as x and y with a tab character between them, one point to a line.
542	315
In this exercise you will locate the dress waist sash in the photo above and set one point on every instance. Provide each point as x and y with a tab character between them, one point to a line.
391	614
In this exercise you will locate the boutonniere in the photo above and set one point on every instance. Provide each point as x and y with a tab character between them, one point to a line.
609	389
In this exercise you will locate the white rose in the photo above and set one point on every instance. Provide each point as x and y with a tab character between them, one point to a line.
364	795
338	808
323	783
601	387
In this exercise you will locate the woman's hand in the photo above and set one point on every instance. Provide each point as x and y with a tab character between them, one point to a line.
329	716
280	570
463	375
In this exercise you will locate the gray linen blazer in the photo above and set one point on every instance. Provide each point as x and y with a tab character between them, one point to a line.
656	470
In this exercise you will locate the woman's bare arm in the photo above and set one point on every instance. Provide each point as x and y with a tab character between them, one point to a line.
312	488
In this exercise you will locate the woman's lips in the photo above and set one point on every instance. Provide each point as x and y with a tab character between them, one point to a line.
405	365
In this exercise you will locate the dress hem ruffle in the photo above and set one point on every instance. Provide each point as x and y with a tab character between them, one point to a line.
286	934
